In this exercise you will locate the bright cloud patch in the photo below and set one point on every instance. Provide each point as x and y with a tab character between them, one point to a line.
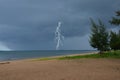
3	47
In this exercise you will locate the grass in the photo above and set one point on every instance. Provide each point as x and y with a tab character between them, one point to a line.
43	59
109	54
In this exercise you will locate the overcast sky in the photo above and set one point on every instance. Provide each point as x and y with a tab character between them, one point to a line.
31	24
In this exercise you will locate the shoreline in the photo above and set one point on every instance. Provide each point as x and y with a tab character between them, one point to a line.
75	69
28	59
55	69
87	53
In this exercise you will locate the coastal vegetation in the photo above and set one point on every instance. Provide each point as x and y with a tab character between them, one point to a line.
102	39
116	20
99	36
107	54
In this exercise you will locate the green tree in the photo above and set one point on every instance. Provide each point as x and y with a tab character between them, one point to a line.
99	36
115	37
116	20
115	40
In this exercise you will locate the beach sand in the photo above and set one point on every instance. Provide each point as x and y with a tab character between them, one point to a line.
77	69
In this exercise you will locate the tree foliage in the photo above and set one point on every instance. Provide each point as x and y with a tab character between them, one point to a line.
114	36
116	20
115	40
99	36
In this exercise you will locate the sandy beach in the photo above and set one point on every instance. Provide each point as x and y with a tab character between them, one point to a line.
77	69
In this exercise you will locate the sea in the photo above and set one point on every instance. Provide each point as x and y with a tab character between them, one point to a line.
19	55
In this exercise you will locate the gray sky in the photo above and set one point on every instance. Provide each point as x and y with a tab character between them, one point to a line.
31	24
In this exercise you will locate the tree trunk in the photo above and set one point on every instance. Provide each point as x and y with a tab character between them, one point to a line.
101	52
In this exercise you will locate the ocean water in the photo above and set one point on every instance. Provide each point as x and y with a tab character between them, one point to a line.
18	55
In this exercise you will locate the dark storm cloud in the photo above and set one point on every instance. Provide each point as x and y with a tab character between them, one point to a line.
30	24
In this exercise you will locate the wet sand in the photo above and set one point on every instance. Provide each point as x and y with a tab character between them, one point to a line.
77	69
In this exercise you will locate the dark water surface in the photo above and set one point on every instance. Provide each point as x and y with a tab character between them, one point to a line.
17	55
